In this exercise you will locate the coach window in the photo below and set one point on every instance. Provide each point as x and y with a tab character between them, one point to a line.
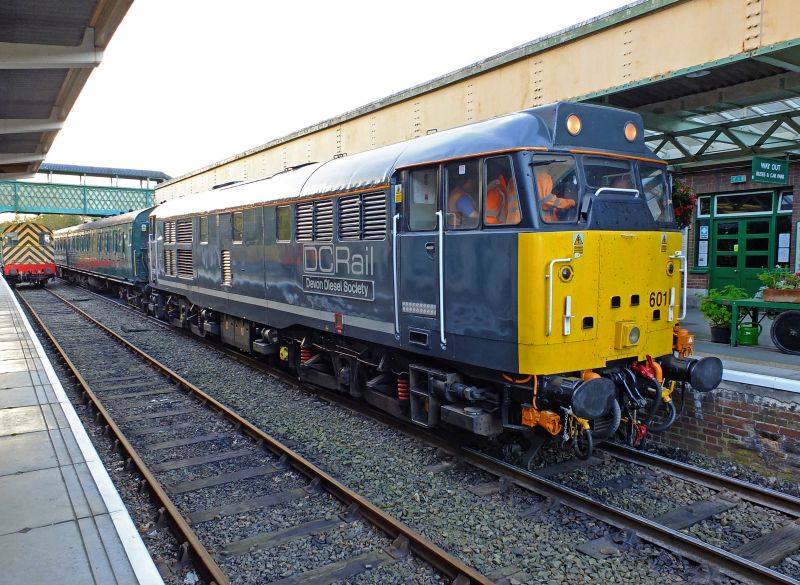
424	193
283	217
238	227
463	195
204	229
501	204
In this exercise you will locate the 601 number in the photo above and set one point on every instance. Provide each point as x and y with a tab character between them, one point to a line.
658	298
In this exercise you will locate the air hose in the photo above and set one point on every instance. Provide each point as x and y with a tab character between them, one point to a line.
672	414
616	413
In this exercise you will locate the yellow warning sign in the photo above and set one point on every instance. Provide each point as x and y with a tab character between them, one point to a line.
663	242
577	244
398	193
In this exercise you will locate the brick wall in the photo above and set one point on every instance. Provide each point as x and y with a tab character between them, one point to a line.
754	426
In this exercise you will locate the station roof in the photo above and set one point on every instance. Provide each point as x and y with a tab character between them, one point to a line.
48	49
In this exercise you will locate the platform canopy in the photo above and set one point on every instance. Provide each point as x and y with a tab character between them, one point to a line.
48	49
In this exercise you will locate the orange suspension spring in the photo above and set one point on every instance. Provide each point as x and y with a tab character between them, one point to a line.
402	387
305	354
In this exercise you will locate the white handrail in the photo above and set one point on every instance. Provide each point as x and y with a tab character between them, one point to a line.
394	269
613	189
679	255
442	337
550	292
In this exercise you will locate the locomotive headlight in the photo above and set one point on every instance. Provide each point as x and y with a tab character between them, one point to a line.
630	131
627	334
574	124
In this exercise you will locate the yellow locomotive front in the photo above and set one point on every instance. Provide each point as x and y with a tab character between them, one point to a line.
599	300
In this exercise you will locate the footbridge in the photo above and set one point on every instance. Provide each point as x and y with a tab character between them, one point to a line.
88	197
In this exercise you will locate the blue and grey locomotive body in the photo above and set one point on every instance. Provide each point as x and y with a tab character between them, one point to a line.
491	278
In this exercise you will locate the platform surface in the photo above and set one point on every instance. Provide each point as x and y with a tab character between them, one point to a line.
61	518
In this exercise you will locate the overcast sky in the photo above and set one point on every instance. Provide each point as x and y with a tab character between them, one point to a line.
185	83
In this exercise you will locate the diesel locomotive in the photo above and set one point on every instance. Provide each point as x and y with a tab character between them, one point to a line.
27	253
521	275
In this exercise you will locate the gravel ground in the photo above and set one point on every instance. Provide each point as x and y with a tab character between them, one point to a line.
335	545
490	533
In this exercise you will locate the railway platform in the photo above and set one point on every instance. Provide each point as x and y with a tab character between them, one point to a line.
61	518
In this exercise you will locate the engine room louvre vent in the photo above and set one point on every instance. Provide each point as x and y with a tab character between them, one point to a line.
185	269
226	267
350	218
374	212
169	232
323	221
169	262
363	217
304	217
184	231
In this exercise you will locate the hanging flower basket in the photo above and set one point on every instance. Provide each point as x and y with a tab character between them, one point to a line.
683	203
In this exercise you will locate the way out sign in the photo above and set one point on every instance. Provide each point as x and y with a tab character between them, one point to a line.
770	170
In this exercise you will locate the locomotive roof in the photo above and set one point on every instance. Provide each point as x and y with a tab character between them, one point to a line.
123	218
540	128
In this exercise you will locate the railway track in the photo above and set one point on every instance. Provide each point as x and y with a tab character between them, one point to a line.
668	532
211	470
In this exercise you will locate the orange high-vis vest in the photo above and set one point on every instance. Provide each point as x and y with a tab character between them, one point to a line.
502	203
548	201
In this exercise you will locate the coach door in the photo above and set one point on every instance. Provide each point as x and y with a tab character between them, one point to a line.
419	261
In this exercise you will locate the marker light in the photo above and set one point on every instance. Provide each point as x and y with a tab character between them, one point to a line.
573	124
630	131
633	336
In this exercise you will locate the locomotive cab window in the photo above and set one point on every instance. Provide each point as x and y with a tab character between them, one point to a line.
283	218
501	206
238	227
608	173
556	184
422	200
463	195
656	193
10	239
44	239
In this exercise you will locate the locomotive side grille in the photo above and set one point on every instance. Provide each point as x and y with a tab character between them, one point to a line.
185	269
350	218
169	262
305	222
184	231
323	221
374	212
226	267
169	232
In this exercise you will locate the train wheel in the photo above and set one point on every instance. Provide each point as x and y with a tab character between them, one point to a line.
785	332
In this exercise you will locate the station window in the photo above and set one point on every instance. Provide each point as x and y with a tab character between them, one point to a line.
463	195
283	218
703	206
744	204
501	206
786	203
423	195
238	227
556	182
203	229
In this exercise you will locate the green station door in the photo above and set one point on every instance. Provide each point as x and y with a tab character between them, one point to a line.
740	249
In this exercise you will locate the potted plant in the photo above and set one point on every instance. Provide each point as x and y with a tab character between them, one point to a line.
781	285
719	316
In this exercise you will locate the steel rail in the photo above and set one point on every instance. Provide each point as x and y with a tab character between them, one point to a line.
754	493
688	546
421	546
203	558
